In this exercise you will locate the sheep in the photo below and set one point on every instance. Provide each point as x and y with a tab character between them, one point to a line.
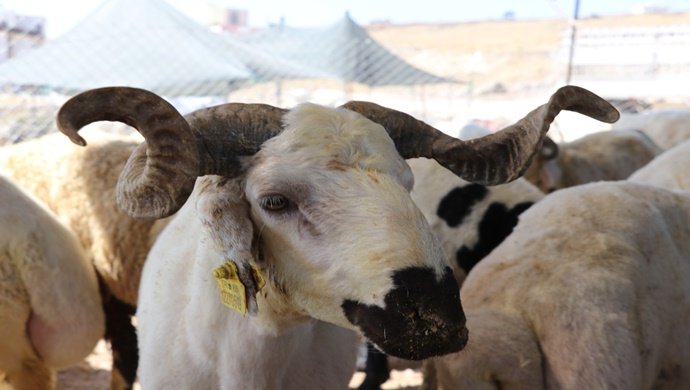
589	292
469	219
668	170
605	155
299	233
50	310
77	184
666	128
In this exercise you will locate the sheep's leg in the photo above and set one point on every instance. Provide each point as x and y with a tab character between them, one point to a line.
32	375
20	367
377	370
123	340
4	385
23	368
121	335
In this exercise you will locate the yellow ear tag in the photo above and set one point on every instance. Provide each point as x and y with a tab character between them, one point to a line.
233	293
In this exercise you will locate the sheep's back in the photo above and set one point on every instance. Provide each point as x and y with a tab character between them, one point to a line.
602	253
606	155
668	170
667	128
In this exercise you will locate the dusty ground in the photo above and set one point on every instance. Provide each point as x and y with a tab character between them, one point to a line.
94	374
507	52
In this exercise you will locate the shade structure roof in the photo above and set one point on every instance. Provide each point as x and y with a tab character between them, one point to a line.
343	51
146	44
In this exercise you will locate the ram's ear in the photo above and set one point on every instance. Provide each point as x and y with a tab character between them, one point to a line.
224	211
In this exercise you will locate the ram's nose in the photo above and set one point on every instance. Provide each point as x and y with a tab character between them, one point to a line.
422	317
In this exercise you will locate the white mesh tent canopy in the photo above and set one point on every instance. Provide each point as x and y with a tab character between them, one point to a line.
150	44
146	44
343	51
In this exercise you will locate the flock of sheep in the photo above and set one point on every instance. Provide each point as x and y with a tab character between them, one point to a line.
258	246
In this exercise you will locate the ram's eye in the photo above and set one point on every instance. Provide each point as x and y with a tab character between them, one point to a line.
273	202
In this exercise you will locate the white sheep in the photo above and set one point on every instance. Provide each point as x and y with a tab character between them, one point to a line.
666	128
589	292
305	221
668	170
469	219
77	184
604	155
50	311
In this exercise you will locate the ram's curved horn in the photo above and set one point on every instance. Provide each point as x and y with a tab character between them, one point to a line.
160	173
230	131
493	159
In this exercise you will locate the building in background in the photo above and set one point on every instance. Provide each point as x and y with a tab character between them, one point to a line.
221	19
650	61
19	33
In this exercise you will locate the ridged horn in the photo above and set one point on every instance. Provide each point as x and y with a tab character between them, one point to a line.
160	174
493	159
230	131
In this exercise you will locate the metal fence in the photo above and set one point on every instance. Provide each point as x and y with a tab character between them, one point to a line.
151	45
648	61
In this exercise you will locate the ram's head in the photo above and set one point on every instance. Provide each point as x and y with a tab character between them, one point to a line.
545	170
318	199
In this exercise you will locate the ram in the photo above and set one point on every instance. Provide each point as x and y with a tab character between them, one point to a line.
302	219
50	311
589	292
77	184
469	219
604	155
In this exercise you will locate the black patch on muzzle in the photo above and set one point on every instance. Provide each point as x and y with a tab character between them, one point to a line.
422	317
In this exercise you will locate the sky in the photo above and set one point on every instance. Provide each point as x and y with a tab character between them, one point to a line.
62	15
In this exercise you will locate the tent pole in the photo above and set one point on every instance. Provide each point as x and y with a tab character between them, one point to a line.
573	33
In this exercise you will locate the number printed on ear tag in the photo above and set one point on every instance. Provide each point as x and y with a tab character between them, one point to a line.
233	292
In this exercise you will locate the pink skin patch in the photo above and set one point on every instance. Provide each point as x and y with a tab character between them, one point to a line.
40	335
